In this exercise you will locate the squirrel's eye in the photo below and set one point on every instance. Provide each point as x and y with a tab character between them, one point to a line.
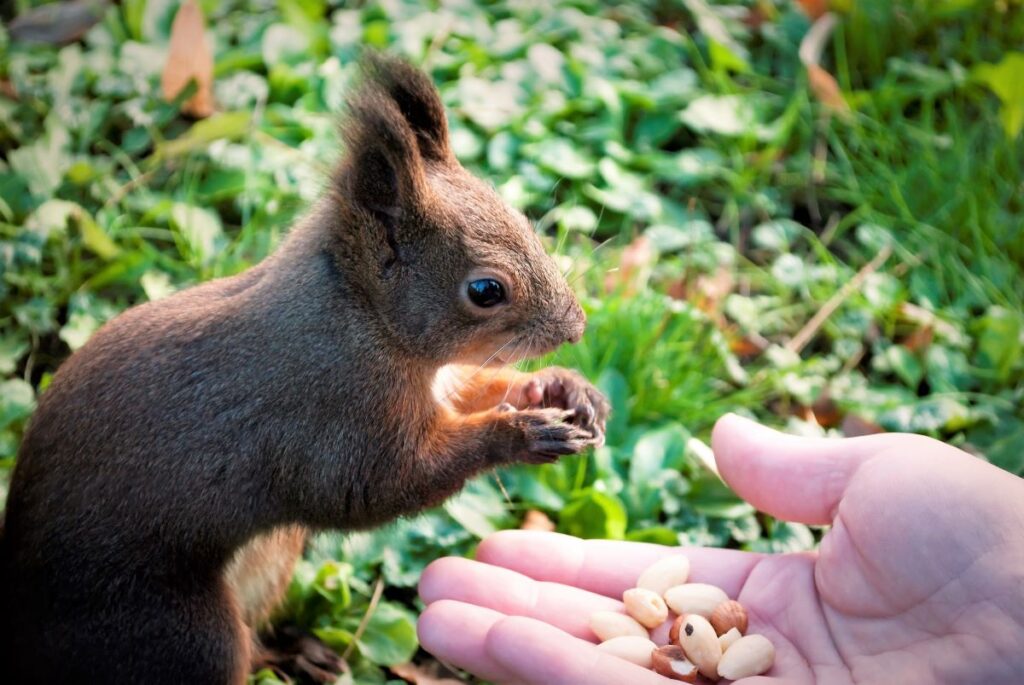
485	292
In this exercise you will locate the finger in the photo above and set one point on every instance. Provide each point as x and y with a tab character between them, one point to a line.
534	392
607	567
535	652
456	633
513	594
788	476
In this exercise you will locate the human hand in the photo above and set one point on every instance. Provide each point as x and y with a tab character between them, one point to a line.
919	580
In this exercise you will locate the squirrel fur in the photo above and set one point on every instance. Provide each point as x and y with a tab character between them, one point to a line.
176	463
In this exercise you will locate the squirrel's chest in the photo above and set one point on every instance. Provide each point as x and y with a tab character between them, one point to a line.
444	387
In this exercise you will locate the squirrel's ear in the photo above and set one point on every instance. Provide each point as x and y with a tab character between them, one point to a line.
381	173
417	99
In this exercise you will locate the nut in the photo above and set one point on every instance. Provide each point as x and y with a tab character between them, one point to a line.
671	662
647	607
729	638
631	648
729	615
610	624
673	632
665	573
698	640
749	656
695	598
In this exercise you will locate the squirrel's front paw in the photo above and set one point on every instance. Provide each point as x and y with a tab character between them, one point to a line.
546	434
566	389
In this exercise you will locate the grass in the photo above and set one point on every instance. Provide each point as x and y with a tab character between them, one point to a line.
707	205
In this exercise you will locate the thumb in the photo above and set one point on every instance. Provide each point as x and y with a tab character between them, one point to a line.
790	477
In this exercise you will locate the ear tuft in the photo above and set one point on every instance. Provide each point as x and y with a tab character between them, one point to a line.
416	98
382	172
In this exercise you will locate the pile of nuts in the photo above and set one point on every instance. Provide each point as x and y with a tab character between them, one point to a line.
709	635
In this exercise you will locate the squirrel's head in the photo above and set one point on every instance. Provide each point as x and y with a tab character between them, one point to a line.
454	273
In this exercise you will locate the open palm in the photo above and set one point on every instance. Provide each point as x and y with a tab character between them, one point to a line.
919	580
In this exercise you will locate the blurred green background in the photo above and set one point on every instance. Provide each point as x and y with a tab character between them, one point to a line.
835	249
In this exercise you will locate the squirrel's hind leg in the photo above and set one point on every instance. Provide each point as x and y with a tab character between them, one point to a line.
261	571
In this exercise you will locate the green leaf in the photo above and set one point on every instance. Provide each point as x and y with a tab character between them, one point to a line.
675	237
334	637
17	400
302	12
43	162
156	284
577	218
227	125
1001	441
784	537
12	349
1005	80
712	497
594	514
657	535
390	636
725	51
777	235
479	508
947	369
656	451
613	384
929	415
201	230
96	239
52	216
726	115
284	44
562	157
999	342
133	11
900	361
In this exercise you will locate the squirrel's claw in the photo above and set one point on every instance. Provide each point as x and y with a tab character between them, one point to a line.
565	389
548	434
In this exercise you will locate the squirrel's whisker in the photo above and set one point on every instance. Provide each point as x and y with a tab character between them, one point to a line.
465	381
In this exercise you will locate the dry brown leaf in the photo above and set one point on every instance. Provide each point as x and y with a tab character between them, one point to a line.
188	59
854	426
826	89
923	317
423	674
920	339
826	411
743	346
713	289
814	8
537	520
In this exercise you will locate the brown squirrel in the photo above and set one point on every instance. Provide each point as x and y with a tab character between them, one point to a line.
172	470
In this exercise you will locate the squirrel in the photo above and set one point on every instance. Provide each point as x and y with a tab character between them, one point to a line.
177	462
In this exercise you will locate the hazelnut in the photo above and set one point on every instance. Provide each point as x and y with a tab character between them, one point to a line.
673	632
671	662
729	615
